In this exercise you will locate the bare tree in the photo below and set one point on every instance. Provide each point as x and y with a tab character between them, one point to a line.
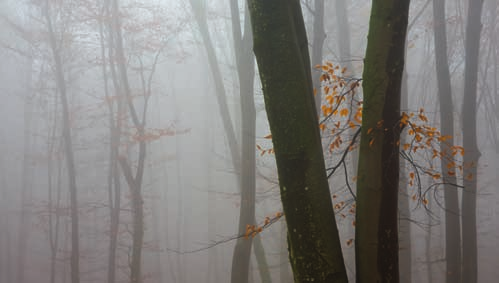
452	224
68	144
472	154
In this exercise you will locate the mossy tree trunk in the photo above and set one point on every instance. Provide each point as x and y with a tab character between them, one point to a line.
376	235
280	46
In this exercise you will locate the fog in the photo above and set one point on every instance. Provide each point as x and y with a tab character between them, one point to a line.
153	109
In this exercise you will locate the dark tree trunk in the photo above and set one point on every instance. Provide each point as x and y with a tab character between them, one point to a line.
281	49
376	234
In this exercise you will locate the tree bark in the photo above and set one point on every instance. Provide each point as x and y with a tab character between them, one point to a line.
452	222
376	234
281	49
472	153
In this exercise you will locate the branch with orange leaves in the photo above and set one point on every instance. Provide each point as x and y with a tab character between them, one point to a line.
251	231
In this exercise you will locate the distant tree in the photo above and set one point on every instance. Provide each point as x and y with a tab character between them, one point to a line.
68	143
452	224
472	154
245	65
243	160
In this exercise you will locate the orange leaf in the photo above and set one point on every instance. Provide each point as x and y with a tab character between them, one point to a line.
406	146
344	112
322	126
268	136
371	143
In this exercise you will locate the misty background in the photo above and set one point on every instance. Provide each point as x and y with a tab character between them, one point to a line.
189	187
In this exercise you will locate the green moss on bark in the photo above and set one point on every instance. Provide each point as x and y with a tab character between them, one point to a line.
282	57
376	234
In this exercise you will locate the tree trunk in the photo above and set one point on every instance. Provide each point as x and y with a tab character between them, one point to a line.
244	162
137	221
317	45
472	153
27	178
405	241
68	149
115	123
284	269
261	260
134	181
281	49
246	73
376	235
218	81
452	222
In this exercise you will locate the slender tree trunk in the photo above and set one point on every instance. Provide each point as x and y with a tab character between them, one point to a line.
134	181
281	49
343	33
472	153
376	234
452	222
243	162
68	148
218	80
137	220
54	215
26	184
405	242
343	39
261	260
246	73
115	123
318	38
